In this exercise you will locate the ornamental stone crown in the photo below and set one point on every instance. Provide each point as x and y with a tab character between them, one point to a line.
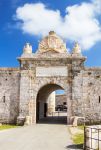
52	43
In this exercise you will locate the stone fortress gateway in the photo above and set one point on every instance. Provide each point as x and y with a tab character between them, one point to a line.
25	90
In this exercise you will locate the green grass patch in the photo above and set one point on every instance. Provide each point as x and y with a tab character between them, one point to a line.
3	127
78	138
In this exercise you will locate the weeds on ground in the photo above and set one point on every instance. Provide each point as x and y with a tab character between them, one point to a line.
78	138
3	127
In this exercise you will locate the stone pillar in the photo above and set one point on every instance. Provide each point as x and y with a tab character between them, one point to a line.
69	105
31	118
51	103
26	103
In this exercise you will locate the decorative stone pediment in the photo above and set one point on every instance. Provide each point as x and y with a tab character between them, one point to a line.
52	43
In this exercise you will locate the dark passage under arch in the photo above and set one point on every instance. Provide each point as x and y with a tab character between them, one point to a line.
42	106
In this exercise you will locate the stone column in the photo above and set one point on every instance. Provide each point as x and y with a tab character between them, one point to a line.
69	104
51	103
25	97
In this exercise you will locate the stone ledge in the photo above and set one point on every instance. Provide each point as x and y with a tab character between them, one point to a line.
9	69
92	68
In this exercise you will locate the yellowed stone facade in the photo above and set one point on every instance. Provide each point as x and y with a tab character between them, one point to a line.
25	90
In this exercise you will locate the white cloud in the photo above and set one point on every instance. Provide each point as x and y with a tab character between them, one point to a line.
79	24
37	19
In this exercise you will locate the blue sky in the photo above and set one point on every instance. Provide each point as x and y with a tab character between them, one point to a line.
14	26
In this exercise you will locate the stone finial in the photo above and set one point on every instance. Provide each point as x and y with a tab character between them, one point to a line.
27	49
76	49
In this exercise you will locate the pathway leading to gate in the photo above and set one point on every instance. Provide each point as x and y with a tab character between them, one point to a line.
36	137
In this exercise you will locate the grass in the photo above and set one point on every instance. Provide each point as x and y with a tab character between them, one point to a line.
3	127
78	138
81	127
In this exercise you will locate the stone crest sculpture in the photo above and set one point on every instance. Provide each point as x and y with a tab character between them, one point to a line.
52	43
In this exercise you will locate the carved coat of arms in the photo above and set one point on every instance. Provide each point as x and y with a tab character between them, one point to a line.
52	43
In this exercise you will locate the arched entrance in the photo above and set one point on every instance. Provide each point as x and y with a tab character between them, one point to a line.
42	105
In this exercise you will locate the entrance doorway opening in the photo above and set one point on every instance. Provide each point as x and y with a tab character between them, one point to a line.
51	105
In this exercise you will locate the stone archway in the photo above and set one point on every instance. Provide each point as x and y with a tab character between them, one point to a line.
50	65
41	100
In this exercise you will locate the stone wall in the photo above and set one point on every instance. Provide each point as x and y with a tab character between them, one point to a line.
92	93
86	94
19	96
61	99
9	95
